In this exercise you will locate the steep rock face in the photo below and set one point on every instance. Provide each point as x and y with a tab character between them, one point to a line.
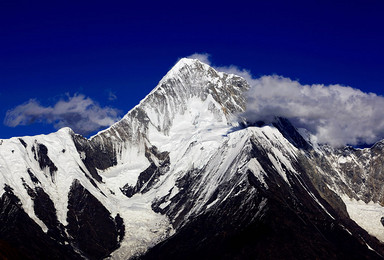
23	237
41	155
361	170
90	225
356	176
46	212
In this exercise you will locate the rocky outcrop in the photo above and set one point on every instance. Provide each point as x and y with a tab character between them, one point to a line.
91	228
22	238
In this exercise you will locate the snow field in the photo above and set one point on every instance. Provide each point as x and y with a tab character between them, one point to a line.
366	215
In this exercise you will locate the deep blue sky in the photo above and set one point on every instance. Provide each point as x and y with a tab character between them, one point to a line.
50	48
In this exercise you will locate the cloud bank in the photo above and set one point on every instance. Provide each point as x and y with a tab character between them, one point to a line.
78	112
335	114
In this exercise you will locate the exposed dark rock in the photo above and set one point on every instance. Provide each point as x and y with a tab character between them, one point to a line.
22	238
95	156
362	170
8	252
23	142
34	179
94	232
290	133
89	178
46	212
33	150
120	227
128	190
151	175
182	202
319	182
41	155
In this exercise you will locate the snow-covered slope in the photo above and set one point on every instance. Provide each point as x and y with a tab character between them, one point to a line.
179	169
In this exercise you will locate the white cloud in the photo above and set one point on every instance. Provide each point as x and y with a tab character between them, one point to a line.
203	57
81	113
336	114
111	95
232	69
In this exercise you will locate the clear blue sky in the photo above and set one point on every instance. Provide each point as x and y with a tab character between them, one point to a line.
103	48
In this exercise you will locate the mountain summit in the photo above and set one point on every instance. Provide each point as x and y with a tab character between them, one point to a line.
180	177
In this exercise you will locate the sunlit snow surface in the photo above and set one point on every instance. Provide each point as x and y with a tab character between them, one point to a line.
366	215
15	160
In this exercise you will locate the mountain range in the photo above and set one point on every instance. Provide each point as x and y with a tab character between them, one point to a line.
184	175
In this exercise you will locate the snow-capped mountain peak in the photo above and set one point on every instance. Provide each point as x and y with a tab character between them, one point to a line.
177	168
